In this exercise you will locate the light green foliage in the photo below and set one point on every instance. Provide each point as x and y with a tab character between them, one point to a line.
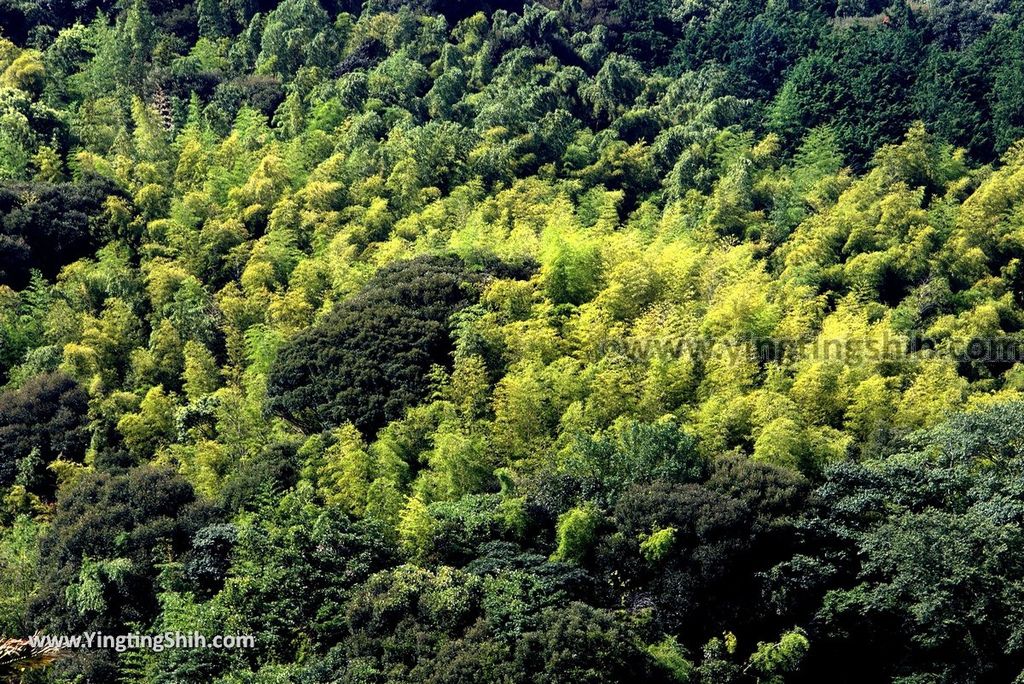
671	656
200	375
16	144
572	269
87	594
575	533
775	660
658	544
345	476
415	527
18	563
150	428
461	462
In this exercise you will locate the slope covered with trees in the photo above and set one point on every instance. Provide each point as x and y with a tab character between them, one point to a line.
655	340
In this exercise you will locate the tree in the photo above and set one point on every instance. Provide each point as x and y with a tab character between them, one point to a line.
293	569
47	416
295	33
860	82
572	270
369	360
19	558
51	230
200	374
581	643
108	536
152	427
575	533
615	87
133	44
211	20
894	566
632	452
738	519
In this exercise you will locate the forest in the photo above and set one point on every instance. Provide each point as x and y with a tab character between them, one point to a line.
555	342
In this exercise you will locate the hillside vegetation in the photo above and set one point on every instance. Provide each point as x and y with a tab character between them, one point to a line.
654	340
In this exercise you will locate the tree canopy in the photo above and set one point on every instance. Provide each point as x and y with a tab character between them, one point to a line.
582	341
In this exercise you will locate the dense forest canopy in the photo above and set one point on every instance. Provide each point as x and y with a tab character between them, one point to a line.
439	341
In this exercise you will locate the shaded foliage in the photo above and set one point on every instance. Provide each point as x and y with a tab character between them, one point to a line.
371	357
43	420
